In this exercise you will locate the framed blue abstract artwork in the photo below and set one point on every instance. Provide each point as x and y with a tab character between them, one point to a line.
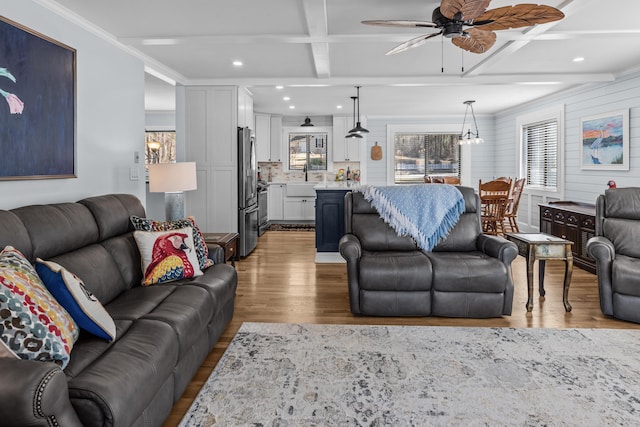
37	105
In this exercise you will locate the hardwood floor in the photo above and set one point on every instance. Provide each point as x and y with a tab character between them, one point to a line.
279	282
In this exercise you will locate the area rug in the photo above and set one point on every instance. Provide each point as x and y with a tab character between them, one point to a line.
292	227
338	375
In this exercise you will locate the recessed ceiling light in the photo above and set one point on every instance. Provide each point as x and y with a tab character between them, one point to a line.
237	63
279	87
286	98
578	59
292	107
339	107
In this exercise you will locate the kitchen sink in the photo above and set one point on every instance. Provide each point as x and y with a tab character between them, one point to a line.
301	189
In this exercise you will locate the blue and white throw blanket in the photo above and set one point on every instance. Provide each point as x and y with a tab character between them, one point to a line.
425	212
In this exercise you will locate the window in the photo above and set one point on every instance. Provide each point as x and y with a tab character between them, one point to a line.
541	145
420	154
160	147
540	151
308	149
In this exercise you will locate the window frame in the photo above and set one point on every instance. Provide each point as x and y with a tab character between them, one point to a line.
551	114
465	170
304	130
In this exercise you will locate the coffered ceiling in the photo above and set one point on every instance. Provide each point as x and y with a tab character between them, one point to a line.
318	50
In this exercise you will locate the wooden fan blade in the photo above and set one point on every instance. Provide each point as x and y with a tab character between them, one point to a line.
470	9
400	23
412	43
479	41
520	15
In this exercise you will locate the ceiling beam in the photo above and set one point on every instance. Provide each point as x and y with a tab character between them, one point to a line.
433	80
315	12
567	7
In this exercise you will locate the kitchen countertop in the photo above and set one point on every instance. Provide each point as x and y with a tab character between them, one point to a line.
337	185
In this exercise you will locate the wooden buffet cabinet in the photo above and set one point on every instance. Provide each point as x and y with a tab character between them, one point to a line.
572	221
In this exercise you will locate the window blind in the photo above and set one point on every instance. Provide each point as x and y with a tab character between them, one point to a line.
541	145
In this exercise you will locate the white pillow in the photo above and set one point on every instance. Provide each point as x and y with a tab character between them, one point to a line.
167	255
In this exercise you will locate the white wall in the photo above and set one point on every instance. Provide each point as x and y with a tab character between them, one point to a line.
579	185
110	114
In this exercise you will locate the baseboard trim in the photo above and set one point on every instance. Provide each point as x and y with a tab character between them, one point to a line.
329	258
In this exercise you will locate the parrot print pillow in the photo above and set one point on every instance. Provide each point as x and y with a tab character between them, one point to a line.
167	255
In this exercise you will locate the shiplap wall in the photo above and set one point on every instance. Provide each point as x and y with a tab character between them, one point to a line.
579	185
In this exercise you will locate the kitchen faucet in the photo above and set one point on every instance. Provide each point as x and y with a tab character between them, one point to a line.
304	169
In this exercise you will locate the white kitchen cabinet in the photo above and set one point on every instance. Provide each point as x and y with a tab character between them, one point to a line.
210	130
299	208
345	149
268	137
275	202
276	139
245	109
263	137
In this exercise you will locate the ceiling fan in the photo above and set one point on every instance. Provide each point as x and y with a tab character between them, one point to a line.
470	26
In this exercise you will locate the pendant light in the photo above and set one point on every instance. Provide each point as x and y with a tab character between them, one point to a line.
307	122
358	129
353	134
469	138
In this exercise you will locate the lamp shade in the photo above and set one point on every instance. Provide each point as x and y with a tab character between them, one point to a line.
172	177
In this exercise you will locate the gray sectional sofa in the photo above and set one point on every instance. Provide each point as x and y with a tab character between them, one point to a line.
164	331
468	274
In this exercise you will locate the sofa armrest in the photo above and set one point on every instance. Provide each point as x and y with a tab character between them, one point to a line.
216	253
351	251
34	393
350	247
602	250
497	247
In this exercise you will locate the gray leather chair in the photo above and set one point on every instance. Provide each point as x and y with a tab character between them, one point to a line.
616	249
468	274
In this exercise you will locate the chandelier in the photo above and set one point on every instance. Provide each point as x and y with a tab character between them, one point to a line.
469	137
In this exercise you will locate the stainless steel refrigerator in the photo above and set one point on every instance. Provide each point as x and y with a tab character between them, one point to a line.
247	192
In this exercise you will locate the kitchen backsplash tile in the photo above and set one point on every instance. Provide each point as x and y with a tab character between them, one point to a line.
274	170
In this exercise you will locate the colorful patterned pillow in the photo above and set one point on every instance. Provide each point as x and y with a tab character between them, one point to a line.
81	304
144	224
167	255
32	323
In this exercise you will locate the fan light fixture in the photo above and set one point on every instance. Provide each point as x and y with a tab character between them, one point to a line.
352	134
358	129
469	138
307	122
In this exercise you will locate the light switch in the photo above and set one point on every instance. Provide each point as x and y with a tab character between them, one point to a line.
134	174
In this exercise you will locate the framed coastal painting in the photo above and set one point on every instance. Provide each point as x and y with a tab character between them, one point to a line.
37	105
605	141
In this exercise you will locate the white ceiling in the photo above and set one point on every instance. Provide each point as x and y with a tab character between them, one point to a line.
319	51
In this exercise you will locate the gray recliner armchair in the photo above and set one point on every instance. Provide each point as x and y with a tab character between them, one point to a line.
468	274
616	249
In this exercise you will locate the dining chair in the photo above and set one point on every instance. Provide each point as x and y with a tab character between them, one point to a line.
511	212
453	180
494	196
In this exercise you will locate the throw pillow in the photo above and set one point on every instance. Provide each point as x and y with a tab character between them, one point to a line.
167	255
32	324
81	304
144	224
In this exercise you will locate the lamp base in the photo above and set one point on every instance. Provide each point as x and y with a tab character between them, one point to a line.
174	205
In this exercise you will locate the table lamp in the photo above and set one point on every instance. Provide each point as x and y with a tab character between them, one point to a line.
173	179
